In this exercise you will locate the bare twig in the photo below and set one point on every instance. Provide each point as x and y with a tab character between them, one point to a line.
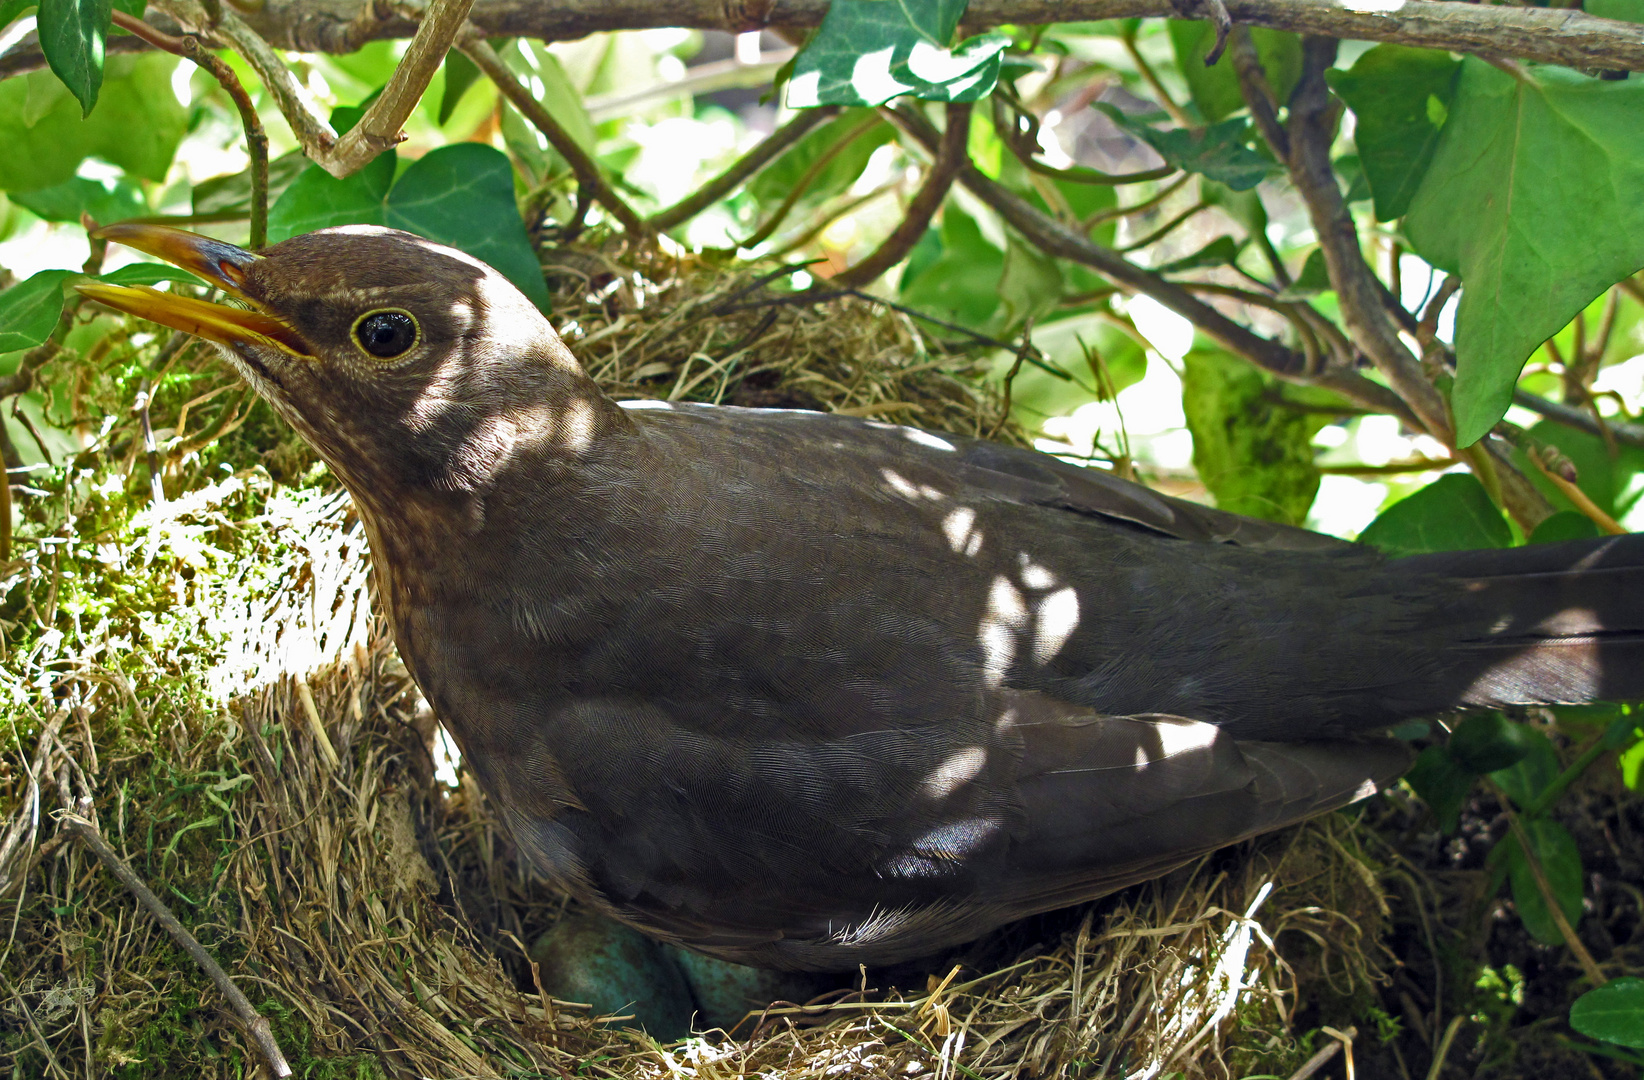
255	1022
1313	116
742	170
1589	966
1628	434
1571	491
587	172
1547	35
256	139
1055	238
949	157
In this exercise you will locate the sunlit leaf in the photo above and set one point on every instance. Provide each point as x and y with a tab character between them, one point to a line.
869	51
12	10
318	200
105	202
72	36
1400	99
957	277
460	74
1453	513
147	273
225	194
1560	861
1030	287
30	310
1532	198
1217	152
1613	1012
136	125
804	162
1254	454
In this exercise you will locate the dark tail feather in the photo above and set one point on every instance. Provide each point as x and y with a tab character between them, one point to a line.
1544	624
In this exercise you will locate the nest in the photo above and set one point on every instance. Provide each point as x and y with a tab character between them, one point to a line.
203	683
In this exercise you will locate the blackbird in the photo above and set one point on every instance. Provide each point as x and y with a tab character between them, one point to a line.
803	690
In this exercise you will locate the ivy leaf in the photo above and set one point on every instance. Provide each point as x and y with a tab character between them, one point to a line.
461	195
1221	251
12	10
1560	860
1532	198
1215	89
1217	152
104	202
869	51
231	193
30	309
1489	742
825	178
1400	98
1532	774
460	74
956	277
1613	1012
1453	513
71	37
137	124
1254	454
1442	784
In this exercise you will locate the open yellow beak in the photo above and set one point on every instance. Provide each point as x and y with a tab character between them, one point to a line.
224	265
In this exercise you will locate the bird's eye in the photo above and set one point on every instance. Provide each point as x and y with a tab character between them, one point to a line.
386	334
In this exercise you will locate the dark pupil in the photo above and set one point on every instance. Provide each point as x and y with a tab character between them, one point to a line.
387	334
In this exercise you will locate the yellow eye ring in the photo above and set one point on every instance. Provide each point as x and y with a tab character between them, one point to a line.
386	333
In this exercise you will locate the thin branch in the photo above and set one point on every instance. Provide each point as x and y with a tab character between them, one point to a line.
916	219
1546	35
1549	899
1166	229
256	139
587	173
1102	217
254	1021
823	160
742	170
1622	431
1313	116
1056	239
1152	78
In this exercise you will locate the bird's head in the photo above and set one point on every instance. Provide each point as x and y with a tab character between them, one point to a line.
406	364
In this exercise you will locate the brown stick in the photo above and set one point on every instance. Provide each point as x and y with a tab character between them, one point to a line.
949	157
1588	965
256	139
587	173
1054	238
254	1021
742	170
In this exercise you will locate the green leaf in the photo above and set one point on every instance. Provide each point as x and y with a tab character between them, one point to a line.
1565	525
1255	455
147	273
1442	784
1453	513
136	125
30	309
1222	251
869	51
463	195
460	74
773	183
12	10
1623	10
1030	287
1488	742
1532	197
961	284
1215	89
559	97
1531	775
1560	860
71	37
1217	152
1400	98
318	200
1613	1012
231	193
104	202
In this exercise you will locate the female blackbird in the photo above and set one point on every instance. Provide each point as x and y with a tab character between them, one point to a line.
801	690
